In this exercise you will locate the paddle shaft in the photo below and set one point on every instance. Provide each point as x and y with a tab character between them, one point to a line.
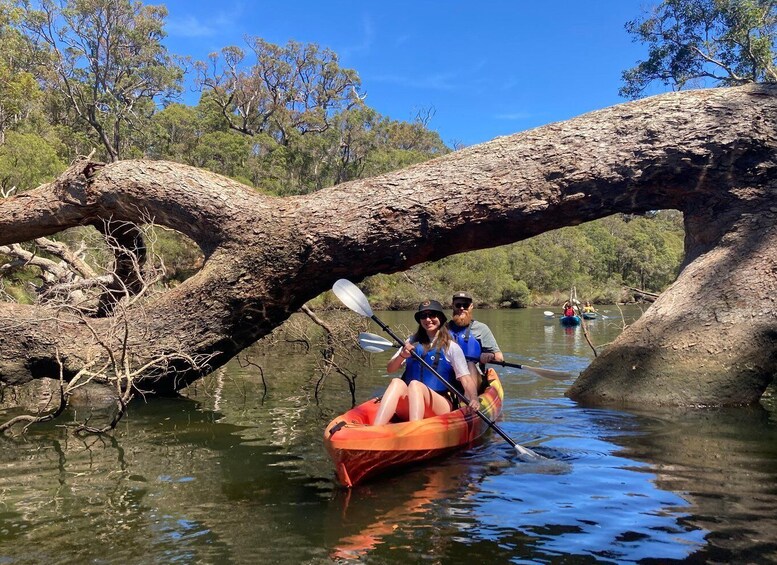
506	364
451	388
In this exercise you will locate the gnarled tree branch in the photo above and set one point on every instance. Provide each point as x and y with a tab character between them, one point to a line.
711	154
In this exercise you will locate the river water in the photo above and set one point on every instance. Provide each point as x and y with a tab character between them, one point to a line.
234	473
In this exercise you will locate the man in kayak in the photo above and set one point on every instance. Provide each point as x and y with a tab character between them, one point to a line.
484	348
419	393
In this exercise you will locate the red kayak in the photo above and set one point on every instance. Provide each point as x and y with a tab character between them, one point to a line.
360	450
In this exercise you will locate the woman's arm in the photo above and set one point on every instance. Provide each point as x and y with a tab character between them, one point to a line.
461	369
398	360
469	384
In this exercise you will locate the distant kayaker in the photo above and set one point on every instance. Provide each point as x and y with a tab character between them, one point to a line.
568	310
419	393
475	338
588	309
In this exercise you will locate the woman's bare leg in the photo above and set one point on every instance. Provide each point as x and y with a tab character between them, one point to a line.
394	400
424	402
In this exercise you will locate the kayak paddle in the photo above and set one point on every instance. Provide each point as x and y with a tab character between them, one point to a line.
350	295
544	373
375	344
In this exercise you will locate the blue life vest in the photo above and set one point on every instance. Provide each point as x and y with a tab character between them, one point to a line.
415	371
468	343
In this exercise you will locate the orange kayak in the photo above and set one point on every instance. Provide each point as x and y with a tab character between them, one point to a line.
360	450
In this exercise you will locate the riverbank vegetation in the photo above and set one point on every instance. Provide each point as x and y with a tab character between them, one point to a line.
600	259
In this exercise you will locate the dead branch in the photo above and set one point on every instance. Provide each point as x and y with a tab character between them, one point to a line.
247	362
71	258
338	344
113	359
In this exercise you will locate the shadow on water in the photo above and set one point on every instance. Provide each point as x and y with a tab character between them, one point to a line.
724	462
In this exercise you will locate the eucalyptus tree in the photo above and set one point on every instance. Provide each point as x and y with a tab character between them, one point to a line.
18	95
697	42
302	109
19	91
173	134
26	160
107	60
292	88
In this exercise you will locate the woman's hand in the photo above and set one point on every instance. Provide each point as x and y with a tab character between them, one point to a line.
397	360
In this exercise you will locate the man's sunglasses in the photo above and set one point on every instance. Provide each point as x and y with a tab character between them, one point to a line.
464	305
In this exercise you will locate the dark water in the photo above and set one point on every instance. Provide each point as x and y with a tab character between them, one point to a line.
233	475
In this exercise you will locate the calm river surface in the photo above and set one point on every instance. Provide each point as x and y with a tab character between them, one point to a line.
230	474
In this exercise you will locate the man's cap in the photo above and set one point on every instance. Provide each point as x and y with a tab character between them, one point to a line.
431	306
462	295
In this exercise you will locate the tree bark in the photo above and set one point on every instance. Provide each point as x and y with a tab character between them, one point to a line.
709	339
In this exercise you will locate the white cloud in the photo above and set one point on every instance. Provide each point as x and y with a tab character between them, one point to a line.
189	26
362	47
437	81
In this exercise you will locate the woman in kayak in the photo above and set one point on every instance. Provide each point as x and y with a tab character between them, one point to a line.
419	393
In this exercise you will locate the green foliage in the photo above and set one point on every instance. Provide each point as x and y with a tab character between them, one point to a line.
727	42
401	144
516	294
181	255
223	152
26	161
107	60
17	292
175	133
597	258
19	94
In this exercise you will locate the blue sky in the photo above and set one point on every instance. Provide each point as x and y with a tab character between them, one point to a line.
487	68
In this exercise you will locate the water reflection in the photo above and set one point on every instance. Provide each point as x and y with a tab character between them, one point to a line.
724	461
607	507
237	473
382	514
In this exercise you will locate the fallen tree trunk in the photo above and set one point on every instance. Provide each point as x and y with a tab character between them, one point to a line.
642	294
711	154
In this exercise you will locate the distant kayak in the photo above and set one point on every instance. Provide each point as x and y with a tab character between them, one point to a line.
590	315
570	320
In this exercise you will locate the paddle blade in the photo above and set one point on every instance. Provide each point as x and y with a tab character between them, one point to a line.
527	455
374	343
350	295
548	313
549	373
545	373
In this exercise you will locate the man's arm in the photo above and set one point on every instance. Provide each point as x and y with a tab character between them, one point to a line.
490	351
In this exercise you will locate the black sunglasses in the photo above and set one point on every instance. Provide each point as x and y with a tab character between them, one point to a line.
425	315
462	304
